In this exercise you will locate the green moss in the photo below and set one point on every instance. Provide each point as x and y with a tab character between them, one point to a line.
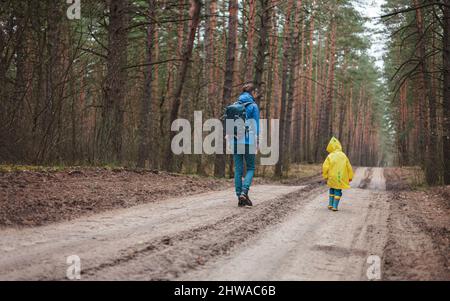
14	168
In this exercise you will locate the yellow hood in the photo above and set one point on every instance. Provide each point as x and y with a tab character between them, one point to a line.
334	145
336	168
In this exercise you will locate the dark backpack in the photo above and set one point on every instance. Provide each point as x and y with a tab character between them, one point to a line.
234	112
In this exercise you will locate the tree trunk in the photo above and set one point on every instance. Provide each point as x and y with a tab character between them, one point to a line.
210	69
273	46
325	124
299	132
284	85
446	92
115	84
144	132
295	83
219	162
194	14
308	92
432	170
250	39
262	47
317	100
275	89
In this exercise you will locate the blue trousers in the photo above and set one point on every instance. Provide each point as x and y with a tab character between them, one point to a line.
249	158
335	197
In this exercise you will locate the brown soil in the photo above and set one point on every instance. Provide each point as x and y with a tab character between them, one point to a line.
32	198
169	257
419	231
158	240
36	197
404	178
288	235
311	242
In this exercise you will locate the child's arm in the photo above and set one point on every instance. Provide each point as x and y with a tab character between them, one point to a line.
325	168
349	170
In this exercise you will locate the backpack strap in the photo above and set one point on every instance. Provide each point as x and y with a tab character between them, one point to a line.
245	104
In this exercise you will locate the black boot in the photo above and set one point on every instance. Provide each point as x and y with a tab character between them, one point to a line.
246	200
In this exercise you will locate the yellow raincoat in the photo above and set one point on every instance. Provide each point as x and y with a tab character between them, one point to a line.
337	168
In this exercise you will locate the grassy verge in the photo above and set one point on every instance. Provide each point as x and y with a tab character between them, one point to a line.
401	178
296	171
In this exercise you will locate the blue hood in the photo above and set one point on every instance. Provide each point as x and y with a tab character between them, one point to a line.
246	97
252	111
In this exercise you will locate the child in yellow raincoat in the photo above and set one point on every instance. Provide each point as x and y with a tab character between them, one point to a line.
338	172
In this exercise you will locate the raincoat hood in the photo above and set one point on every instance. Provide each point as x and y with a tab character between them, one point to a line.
252	120
337	169
334	145
246	97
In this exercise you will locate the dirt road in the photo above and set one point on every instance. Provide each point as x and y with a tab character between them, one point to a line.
288	235
314	243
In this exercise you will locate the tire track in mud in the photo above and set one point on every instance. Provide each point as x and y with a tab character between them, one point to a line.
41	252
168	257
415	249
312	243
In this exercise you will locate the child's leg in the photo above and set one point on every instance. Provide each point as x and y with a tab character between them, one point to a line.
331	200
337	197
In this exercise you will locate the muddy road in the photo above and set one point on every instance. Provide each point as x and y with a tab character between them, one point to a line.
314	243
288	235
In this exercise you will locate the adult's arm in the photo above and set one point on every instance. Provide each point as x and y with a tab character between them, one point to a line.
255	116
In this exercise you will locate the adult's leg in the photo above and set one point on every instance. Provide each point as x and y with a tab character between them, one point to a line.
238	170
250	159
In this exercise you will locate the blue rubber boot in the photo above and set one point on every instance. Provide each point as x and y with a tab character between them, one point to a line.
331	200
336	203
